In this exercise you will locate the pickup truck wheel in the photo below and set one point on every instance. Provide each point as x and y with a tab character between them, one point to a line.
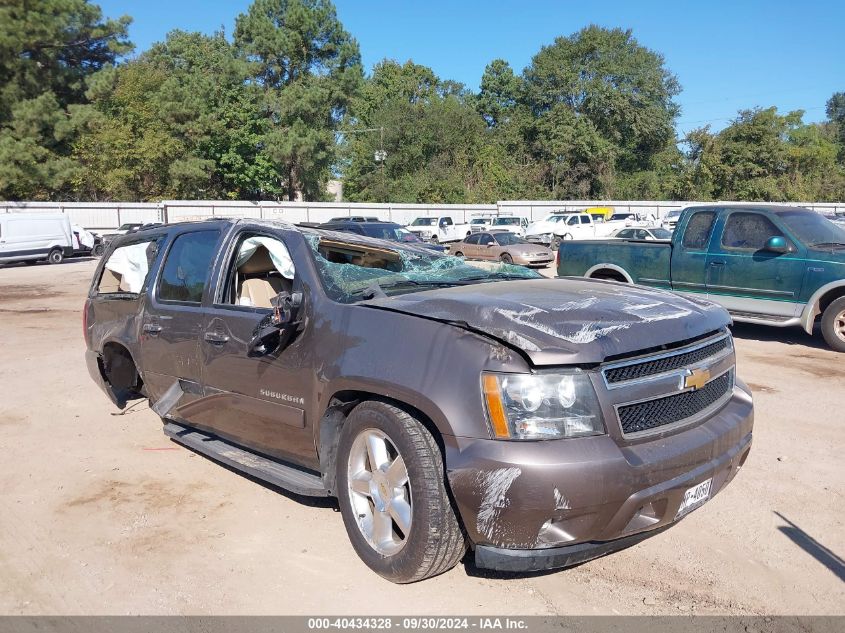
392	495
507	259
833	325
56	256
434	239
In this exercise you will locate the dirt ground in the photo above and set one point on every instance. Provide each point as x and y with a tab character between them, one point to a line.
102	514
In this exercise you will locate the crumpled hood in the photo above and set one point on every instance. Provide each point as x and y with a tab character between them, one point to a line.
566	321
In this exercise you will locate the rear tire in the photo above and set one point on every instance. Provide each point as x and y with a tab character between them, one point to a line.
459	254
833	325
56	256
390	476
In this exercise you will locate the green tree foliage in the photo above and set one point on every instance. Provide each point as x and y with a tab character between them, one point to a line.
179	121
763	155
308	68
429	129
606	77
284	106
49	50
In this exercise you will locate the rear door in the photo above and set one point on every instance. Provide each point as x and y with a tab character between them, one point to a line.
689	253
744	277
172	323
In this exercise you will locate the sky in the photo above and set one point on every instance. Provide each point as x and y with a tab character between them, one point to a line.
727	54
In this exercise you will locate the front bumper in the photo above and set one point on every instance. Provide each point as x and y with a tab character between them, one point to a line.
540	505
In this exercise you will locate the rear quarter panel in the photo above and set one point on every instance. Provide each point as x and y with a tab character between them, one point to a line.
646	263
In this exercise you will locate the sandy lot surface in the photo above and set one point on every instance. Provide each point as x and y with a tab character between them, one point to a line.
102	514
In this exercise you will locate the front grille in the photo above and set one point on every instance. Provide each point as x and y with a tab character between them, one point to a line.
646	416
662	365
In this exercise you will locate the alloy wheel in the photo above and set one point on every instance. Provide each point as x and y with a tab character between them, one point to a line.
379	491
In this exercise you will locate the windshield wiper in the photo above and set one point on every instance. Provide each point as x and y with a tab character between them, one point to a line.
815	244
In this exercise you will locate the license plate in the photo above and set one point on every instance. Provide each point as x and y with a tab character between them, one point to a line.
694	497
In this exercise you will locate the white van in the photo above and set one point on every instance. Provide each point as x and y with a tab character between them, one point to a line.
31	237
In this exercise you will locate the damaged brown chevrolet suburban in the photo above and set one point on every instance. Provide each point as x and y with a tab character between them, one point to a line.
541	422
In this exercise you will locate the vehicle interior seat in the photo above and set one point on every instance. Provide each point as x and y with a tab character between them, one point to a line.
258	282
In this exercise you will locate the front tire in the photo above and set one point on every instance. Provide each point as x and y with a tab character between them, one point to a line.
459	254
56	256
833	325
392	495
507	259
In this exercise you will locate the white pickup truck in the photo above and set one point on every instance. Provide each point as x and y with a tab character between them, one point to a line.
438	229
562	226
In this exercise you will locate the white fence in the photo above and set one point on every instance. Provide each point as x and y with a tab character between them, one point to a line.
110	215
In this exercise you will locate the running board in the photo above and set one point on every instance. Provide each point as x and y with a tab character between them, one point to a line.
273	472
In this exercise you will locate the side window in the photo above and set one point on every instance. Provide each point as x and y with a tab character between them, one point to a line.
748	231
642	235
261	268
187	267
699	227
472	239
572	221
446	221
485	239
585	219
626	234
127	268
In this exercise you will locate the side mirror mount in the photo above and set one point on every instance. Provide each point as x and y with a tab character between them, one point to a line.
275	330
777	244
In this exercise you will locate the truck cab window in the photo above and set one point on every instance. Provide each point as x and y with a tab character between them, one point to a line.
697	234
748	231
187	267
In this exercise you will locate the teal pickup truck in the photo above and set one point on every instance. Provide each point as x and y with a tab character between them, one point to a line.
775	265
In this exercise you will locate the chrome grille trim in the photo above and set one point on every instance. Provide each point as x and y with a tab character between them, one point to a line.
681	371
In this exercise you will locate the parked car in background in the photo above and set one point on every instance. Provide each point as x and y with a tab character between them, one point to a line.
512	223
773	265
481	222
123	229
86	242
355	218
32	237
561	226
438	229
641	233
504	246
670	220
541	422
381	230
624	220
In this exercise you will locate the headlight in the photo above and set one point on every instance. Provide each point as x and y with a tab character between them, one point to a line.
541	406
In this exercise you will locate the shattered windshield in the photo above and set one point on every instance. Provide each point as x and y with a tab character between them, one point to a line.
353	270
424	222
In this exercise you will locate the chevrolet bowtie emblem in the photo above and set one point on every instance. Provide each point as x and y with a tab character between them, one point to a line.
697	378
